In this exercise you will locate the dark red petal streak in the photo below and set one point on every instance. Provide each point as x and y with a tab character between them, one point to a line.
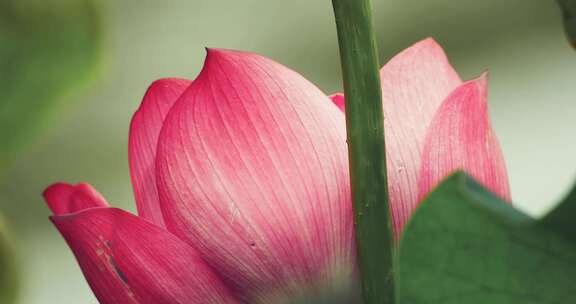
126	260
338	100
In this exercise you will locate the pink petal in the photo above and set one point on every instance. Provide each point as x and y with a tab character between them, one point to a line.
338	100
252	167
144	129
460	137
128	260
414	83
65	198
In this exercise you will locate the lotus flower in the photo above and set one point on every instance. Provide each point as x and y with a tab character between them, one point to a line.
242	187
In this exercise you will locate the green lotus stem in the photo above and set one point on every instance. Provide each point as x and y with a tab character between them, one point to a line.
365	127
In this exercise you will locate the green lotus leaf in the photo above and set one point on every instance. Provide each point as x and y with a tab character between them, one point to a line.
465	245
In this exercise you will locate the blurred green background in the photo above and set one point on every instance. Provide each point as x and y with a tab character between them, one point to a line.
84	136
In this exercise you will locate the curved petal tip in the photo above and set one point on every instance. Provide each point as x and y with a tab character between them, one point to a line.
414	84
252	169
160	86
64	198
461	137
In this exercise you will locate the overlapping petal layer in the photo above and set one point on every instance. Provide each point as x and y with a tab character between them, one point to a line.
460	137
252	169
414	83
245	170
144	130
126	259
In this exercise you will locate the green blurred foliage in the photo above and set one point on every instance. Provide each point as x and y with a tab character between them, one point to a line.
568	8
465	245
8	274
47	47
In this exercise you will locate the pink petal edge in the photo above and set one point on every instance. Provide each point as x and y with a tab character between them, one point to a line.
144	130
338	100
128	260
252	168
461	137
64	198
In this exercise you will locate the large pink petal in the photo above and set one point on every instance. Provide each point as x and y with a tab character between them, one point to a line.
65	198
128	260
460	137
252	167
144	129
414	83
